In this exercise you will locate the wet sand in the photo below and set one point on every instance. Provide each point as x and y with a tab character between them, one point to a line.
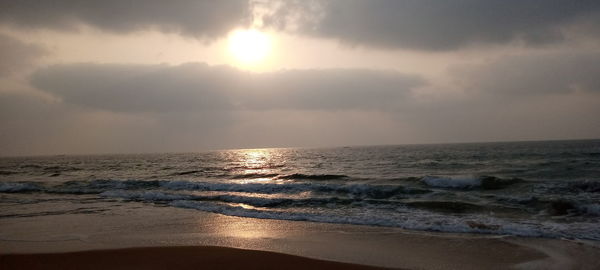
163	235
169	258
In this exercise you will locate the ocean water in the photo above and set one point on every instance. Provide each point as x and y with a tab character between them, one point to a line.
540	189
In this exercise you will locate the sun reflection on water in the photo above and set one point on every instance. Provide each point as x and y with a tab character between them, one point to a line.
255	158
247	228
257	165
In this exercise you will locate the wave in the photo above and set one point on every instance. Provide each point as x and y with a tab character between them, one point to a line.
590	209
366	190
447	206
15	187
254	175
294	176
375	191
415	220
161	197
552	208
62	168
8	172
99	186
300	176
188	172
562	208
586	186
484	182
356	203
150	196
401	193
448	182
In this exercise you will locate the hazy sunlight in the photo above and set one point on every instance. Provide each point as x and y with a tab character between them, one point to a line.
250	46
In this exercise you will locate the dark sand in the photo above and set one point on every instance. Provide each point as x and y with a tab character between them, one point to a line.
206	257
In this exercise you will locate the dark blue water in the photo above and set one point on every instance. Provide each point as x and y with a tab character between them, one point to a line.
546	189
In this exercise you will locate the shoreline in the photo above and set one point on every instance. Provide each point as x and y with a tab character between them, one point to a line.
135	226
534	253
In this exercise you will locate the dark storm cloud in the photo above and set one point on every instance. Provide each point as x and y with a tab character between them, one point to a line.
197	87
190	17
438	25
17	55
534	74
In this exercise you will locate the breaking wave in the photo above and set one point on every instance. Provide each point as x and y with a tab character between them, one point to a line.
413	220
436	203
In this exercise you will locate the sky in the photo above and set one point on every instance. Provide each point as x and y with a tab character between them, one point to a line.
139	76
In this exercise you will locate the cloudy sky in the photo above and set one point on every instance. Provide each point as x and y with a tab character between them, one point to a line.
128	76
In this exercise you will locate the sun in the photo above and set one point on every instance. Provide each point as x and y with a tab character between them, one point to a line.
249	46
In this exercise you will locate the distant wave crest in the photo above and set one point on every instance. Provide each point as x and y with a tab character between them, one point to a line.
484	182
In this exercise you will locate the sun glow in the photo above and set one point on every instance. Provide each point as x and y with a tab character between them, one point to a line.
249	47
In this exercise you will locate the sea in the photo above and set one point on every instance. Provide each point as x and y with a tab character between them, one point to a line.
548	189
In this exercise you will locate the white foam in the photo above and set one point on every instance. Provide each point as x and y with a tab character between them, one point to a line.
156	196
236	187
357	190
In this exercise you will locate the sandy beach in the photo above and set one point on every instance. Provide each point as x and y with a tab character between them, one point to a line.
187	238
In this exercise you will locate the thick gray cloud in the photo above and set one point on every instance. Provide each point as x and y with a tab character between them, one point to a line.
139	88
17	55
534	74
196	18
550	93
157	108
438	25
198	87
390	24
